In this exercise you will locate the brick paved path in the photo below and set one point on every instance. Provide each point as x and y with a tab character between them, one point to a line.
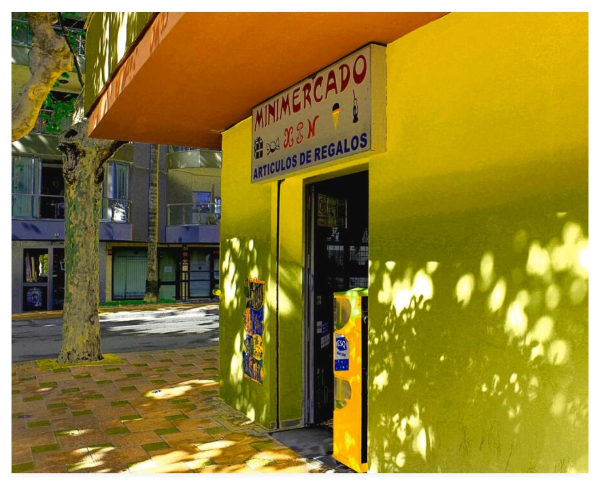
157	412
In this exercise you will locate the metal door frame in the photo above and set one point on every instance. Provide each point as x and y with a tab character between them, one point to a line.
309	312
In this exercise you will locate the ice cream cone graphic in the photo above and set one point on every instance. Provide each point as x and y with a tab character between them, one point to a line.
335	113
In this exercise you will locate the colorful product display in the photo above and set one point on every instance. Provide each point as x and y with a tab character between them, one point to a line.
254	315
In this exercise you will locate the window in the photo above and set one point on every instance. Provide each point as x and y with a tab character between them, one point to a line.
26	186
115	193
38	188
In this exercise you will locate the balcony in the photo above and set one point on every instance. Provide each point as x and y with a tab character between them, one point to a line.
23	36
38	206
43	206
41	217
193	223
189	214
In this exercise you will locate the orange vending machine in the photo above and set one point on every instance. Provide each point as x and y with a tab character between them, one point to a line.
350	365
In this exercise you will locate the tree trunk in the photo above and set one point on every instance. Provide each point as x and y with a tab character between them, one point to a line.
81	326
152	259
83	172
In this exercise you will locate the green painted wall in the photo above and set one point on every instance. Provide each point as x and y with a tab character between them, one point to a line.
109	35
478	252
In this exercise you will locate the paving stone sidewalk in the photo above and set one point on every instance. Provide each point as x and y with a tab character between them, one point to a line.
157	412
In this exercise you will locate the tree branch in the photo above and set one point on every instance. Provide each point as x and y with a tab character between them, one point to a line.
50	56
75	60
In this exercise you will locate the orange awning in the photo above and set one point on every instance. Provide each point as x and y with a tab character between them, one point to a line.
193	75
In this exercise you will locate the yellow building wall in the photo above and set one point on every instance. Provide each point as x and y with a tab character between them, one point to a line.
478	253
478	249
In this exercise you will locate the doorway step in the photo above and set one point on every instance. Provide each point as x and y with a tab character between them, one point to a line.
312	443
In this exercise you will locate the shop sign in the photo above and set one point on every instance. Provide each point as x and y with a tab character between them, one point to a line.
336	113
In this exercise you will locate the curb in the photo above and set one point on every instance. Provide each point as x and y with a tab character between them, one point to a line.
28	316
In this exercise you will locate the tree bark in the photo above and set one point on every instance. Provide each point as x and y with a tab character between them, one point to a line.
83	172
152	259
49	57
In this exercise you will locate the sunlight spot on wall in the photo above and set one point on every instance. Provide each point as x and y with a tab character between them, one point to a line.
513	412
582	263
442	357
520	241
390	265
421	444
560	258
578	291
464	289
285	304
373	464
251	245
536	351
552	296
496	298
538	262
422	286
558	353
384	296
235	244
401	459
571	233
402	297
122	36
431	267
559	404
381	380
484	388
254	272
513	378
561	215
386	336
495	382
414	421
236	371
431	436
516	319
486	271
542	331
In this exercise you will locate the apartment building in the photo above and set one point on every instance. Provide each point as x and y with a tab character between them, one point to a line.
189	207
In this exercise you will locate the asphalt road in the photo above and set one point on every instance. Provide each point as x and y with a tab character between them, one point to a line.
125	331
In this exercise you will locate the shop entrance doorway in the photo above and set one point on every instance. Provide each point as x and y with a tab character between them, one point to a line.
337	259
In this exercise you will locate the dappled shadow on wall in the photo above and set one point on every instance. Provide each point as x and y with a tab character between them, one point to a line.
240	261
478	360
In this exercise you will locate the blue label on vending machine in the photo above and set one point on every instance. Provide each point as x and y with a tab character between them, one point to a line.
341	359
